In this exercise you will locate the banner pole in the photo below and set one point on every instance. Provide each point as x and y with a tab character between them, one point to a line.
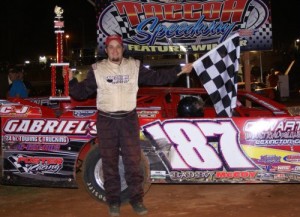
188	85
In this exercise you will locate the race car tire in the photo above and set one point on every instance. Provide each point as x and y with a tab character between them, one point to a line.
93	176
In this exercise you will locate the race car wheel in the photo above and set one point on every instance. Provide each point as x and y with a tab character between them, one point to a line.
93	176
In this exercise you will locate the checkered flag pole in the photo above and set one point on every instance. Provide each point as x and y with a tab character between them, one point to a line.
217	71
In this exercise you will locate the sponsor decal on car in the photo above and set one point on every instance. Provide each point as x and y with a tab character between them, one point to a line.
269	159
236	175
158	174
50	126
187	146
36	139
272	132
190	175
36	165
83	113
292	158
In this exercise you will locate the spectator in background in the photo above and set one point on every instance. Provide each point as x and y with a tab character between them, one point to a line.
255	74
6	81
272	78
29	87
17	87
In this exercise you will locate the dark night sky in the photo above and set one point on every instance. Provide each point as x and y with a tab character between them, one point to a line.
27	25
285	20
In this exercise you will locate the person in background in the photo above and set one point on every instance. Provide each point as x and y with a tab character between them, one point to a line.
6	81
272	78
17	88
29	87
116	81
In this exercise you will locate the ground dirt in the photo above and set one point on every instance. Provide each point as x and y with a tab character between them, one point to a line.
162	200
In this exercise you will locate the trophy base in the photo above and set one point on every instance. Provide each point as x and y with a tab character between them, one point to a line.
60	98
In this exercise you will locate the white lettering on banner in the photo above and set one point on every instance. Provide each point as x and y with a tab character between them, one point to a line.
156	48
174	48
190	148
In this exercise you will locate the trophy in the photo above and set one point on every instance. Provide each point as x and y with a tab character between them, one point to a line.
56	93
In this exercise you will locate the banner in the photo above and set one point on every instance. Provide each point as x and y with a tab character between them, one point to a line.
170	27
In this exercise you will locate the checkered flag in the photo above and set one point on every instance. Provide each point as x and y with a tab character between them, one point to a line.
21	167
126	29
217	71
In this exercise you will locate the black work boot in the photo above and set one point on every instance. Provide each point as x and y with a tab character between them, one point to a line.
139	208
114	210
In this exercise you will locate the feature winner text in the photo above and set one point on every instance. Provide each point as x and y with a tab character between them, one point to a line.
174	48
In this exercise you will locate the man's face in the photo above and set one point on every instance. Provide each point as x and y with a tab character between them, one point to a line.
12	76
20	75
115	51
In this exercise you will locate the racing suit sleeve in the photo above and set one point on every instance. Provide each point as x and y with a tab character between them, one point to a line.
158	77
82	90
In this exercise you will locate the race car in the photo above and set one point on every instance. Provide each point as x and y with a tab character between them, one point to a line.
262	89
48	143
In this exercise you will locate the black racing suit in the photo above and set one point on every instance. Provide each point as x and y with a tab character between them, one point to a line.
118	134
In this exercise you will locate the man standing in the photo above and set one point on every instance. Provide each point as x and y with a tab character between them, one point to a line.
116	81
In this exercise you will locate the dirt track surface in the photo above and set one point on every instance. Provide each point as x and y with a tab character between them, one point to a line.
162	200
